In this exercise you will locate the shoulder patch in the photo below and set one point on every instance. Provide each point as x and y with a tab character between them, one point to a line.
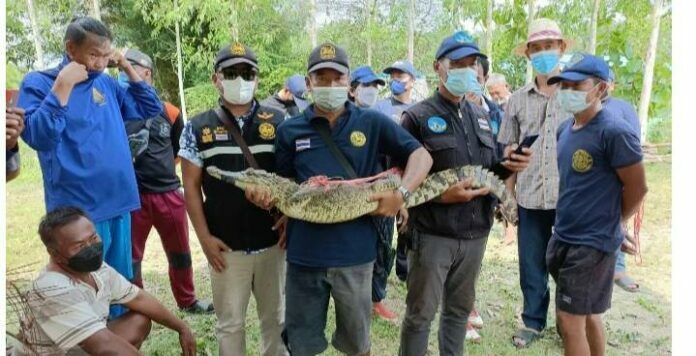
437	124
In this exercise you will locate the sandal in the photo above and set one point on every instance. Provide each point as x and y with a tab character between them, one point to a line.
475	320
471	334
627	283
525	336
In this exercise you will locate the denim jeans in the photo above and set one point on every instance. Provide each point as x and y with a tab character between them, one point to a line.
534	233
620	262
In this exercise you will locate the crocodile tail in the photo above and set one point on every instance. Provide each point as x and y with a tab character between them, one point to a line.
432	187
508	207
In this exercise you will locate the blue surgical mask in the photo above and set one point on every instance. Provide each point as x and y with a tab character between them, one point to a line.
573	101
463	80
545	62
397	87
330	99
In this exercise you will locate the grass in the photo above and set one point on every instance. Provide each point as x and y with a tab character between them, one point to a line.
638	324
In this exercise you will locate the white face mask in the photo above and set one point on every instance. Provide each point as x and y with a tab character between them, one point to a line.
238	91
366	96
330	99
574	101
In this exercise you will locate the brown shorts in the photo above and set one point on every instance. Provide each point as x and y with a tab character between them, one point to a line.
584	277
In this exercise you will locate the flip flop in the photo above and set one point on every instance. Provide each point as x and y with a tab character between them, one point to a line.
472	335
526	335
476	321
628	284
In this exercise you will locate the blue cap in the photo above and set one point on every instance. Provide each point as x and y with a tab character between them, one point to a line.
458	46
404	66
586	66
297	85
365	75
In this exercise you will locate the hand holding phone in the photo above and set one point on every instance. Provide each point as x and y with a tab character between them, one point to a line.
526	143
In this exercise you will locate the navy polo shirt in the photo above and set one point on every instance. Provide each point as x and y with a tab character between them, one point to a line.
589	202
363	135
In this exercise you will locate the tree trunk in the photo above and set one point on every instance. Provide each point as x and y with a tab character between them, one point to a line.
312	26
649	70
411	28
370	9
592	47
489	33
38	50
180	65
531	14
95	10
234	22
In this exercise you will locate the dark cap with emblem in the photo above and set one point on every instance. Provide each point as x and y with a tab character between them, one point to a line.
138	58
581	67
235	53
458	46
328	55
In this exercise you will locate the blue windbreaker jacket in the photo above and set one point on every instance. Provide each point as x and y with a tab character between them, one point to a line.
83	147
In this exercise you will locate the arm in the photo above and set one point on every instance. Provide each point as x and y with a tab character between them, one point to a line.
177	129
105	342
417	168
146	304
635	189
45	114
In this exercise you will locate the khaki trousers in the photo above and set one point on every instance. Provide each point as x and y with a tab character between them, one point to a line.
262	274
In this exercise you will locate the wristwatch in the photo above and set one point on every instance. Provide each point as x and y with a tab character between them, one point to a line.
404	193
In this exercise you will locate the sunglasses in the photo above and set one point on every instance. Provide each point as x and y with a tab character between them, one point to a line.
232	74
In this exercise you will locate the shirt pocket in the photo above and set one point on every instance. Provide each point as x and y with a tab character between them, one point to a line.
488	147
443	149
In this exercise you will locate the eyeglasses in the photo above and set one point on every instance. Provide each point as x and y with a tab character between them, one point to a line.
232	74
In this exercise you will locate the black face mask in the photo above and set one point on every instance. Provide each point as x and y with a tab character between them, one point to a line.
89	259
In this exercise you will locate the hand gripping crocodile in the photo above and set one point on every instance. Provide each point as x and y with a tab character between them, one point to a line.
325	201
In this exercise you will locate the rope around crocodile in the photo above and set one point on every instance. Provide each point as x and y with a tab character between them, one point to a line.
325	201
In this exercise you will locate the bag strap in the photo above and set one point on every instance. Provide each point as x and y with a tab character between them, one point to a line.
237	136
322	126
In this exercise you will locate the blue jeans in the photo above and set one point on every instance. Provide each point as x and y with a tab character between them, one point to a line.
620	262
534	233
385	260
115	234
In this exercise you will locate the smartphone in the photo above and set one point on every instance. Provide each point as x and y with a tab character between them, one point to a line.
11	96
526	143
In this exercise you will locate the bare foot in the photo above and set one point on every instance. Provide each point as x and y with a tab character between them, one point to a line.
510	235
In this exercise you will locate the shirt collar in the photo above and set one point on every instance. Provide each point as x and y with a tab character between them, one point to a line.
310	114
244	117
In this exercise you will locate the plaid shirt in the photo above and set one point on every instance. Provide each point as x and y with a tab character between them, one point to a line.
530	112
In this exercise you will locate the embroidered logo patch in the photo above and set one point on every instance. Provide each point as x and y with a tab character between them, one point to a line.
265	115
221	134
483	124
358	139
238	49
206	135
582	161
98	97
267	131
327	52
437	124
302	144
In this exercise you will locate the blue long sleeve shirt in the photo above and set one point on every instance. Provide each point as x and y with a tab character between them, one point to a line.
83	147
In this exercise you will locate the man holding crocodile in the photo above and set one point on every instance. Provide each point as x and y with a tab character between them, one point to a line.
337	259
449	234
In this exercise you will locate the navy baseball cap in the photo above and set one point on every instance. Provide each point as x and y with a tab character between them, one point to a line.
404	66
235	53
365	75
458	46
583	67
297	86
328	55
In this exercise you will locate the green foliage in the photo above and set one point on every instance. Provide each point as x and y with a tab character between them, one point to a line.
277	30
13	76
200	98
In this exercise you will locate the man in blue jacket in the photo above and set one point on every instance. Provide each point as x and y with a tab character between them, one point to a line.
74	120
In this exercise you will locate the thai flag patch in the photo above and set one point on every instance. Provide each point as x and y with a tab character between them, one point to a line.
302	144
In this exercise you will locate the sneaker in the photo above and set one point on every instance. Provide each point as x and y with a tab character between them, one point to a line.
471	334
199	307
383	312
475	319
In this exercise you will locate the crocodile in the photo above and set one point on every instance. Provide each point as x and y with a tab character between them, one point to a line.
325	201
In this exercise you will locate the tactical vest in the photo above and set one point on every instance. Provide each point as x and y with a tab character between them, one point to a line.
230	216
466	141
